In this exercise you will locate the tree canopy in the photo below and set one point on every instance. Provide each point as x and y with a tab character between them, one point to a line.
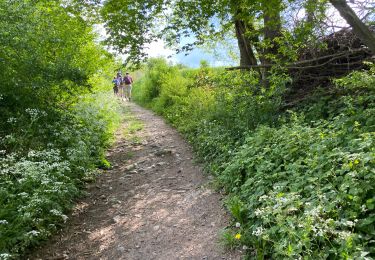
266	30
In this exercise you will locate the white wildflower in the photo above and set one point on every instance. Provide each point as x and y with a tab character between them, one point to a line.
64	217
5	256
258	232
12	120
259	212
55	212
263	198
238	224
349	223
3	222
314	212
292	209
33	233
23	194
344	235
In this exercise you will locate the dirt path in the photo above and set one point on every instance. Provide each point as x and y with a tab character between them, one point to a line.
153	204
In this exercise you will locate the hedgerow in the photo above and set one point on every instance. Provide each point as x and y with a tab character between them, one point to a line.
299	182
56	117
38	187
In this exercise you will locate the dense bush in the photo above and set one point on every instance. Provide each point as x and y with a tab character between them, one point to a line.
56	117
300	183
37	188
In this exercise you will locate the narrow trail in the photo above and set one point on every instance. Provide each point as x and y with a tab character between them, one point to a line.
154	204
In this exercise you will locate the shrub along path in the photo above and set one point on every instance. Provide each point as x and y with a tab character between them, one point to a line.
154	204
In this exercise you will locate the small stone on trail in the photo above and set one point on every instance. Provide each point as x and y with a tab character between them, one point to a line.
103	196
156	228
110	188
161	163
133	172
164	152
116	219
153	166
130	167
121	249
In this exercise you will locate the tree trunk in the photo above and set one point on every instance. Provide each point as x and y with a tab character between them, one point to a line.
272	29
247	56
359	28
309	10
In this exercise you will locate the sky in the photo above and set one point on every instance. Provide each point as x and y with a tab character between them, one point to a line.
192	59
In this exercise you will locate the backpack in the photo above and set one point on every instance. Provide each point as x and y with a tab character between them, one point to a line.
127	80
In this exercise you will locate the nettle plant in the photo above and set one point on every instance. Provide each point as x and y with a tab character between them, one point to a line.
308	190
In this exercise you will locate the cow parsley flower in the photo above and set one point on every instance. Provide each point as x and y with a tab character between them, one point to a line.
33	233
3	222
258	232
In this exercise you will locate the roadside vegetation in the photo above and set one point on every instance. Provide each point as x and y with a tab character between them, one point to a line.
288	134
299	180
56	117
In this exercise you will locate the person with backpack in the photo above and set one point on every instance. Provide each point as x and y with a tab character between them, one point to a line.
128	81
121	86
115	86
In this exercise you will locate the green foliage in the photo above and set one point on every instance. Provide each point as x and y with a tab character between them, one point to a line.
134	126
132	25
237	209
151	82
306	188
300	182
38	188
56	118
228	239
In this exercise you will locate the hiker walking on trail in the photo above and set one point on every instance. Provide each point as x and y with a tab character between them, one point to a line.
121	86
115	86
128	81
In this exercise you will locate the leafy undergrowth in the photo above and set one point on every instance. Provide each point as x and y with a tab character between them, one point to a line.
300	182
38	186
55	117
